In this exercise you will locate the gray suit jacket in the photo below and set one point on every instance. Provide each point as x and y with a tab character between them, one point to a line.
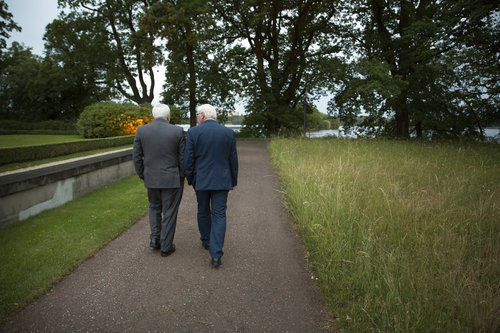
159	154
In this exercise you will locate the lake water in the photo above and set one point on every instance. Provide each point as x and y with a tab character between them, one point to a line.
236	128
489	132
492	132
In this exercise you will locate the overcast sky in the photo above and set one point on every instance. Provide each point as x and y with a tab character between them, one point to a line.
34	15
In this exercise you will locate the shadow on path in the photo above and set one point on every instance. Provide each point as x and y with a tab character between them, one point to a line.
262	286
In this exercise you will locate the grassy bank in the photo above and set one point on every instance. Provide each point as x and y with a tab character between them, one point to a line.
22	140
36	253
401	236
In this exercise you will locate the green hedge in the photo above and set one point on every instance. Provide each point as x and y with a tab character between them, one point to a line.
23	154
107	119
38	131
47	125
55	127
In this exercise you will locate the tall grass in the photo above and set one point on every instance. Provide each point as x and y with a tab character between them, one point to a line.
402	236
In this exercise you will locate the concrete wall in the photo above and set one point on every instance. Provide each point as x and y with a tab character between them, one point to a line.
27	192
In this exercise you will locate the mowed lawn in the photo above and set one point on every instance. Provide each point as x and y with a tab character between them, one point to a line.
38	252
22	140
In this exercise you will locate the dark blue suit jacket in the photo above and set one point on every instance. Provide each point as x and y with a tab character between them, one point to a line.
210	158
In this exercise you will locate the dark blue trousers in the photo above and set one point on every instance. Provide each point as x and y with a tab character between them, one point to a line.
212	207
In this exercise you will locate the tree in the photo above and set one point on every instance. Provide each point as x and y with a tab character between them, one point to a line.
413	56
317	121
36	89
198	65
7	24
476	70
177	116
19	65
103	37
282	49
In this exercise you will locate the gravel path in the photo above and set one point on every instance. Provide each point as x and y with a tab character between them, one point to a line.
262	286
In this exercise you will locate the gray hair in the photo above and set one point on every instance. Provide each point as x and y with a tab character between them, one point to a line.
161	111
208	110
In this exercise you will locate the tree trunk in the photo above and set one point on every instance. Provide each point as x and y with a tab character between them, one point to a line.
418	129
192	85
402	116
402	128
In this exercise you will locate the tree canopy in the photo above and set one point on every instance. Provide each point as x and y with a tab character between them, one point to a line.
33	88
426	68
104	37
198	66
281	49
7	24
422	65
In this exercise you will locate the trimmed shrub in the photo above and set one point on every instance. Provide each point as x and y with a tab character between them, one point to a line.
325	125
107	119
31	153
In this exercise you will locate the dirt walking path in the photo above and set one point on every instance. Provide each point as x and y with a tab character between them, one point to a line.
262	286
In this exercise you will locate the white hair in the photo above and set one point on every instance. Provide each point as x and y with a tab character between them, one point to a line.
161	111
208	110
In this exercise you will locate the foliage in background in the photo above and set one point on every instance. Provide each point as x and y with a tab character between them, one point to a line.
281	50
317	121
103	38
424	68
36	89
40	251
236	120
178	115
198	68
108	119
403	237
7	24
427	69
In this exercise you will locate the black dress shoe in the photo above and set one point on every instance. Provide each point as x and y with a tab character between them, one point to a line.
216	262
205	245
155	244
169	252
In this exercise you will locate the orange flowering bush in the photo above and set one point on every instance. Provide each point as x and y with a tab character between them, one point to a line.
112	119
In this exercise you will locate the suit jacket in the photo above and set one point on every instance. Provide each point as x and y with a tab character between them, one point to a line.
158	154
210	158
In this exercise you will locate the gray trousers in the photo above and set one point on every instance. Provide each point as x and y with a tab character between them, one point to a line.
163	207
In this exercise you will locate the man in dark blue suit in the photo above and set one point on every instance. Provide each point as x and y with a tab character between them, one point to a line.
211	167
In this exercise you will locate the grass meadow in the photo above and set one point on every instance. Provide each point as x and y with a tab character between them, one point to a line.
401	236
38	252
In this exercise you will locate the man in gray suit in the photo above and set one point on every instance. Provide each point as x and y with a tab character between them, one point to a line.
158	160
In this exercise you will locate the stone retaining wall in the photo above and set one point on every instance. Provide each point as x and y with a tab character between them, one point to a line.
27	192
